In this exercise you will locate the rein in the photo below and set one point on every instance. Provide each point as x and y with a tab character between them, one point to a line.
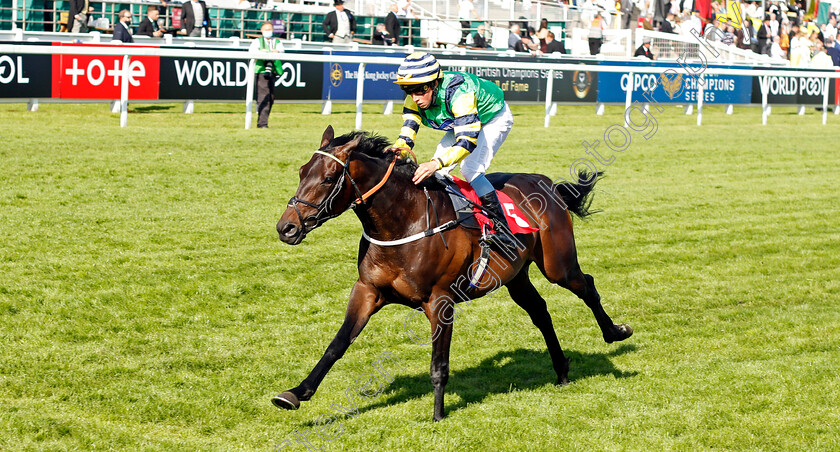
361	198
364	197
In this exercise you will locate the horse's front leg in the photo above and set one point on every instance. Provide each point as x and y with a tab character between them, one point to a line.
441	314
365	300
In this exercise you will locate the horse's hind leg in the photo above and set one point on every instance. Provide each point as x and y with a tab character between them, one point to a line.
557	259
583	285
526	296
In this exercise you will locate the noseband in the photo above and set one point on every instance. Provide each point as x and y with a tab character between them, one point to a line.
318	218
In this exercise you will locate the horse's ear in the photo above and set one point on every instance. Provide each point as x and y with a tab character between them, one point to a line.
355	143
329	134
343	151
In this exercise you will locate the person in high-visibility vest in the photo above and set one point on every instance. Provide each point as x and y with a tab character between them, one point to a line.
266	72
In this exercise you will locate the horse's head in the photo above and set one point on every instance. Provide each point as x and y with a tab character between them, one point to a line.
325	191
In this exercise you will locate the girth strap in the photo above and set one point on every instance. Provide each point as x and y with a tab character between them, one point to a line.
412	238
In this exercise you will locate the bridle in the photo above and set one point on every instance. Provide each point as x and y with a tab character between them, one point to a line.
361	198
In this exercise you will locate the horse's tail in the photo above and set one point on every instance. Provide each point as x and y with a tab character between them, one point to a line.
578	196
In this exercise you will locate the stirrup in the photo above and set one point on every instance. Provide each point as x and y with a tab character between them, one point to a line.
499	239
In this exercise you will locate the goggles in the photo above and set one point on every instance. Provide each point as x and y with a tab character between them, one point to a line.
416	89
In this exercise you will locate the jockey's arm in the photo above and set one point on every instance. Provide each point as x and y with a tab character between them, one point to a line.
466	126
411	124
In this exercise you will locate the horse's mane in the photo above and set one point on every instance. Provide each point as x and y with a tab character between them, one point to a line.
374	145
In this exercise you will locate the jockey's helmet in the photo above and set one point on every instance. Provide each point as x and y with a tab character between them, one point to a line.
418	68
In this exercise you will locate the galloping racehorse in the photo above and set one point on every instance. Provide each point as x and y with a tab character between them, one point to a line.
357	171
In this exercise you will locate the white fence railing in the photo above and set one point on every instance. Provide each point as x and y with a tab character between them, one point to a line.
549	67
664	46
670	46
616	43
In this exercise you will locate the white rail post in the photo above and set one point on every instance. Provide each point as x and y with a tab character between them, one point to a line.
825	100
32	105
629	99
14	15
764	84
360	94
549	88
249	93
700	94
126	72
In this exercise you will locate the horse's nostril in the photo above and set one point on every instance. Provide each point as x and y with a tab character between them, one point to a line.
289	230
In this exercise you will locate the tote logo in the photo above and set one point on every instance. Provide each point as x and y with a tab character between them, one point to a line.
97	73
336	74
101	76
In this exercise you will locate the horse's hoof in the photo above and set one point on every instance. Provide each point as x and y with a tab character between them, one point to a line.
620	333
286	401
624	331
563	381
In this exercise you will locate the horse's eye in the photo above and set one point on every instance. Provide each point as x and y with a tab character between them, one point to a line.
328	180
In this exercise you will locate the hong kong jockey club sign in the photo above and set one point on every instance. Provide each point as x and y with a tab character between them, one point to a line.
100	76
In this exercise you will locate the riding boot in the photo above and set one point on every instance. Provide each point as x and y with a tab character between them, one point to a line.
502	236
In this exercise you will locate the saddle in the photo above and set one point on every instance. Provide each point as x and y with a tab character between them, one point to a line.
464	202
464	214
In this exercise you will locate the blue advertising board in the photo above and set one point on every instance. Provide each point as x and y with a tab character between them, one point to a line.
519	85
674	86
340	79
529	85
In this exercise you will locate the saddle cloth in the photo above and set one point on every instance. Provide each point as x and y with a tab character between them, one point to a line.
473	218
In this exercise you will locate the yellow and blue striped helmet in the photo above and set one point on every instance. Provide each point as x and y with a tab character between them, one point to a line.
418	68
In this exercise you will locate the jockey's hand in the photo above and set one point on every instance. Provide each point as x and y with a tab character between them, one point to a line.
398	150
424	171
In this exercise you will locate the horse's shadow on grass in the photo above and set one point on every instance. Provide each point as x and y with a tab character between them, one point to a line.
505	371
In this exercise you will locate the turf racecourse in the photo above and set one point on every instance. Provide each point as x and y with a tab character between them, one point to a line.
147	304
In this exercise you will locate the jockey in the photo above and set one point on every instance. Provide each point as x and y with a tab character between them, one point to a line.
473	113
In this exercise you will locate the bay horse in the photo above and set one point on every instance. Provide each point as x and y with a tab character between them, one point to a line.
358	171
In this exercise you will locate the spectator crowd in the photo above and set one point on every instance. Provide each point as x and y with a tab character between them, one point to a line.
781	30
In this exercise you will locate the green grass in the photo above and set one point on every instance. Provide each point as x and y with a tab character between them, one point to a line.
147	304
